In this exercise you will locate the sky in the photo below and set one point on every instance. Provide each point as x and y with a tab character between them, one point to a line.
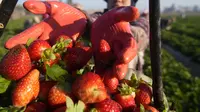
142	4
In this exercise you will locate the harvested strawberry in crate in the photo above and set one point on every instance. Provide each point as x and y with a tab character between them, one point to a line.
55	68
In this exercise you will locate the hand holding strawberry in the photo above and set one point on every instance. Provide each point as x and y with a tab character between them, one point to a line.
112	42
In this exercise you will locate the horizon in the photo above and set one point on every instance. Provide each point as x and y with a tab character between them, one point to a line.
142	4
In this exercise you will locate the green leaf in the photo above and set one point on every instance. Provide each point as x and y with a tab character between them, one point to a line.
4	83
142	108
80	106
56	73
69	102
12	109
71	107
30	40
134	81
80	72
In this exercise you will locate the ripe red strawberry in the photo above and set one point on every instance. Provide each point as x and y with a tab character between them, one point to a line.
143	94
57	96
150	108
36	107
27	89
89	88
125	97
77	57
36	48
108	105
16	63
110	81
105	54
126	101
61	109
45	87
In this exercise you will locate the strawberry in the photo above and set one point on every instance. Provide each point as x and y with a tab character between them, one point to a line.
57	96
77	57
27	89
143	94
45	87
89	88
108	105
61	109
36	49
110	81
16	63
105	54
125	98
150	108
36	107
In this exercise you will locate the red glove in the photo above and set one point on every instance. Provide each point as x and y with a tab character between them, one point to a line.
63	20
112	41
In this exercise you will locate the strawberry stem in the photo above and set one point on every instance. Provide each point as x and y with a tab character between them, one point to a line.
60	45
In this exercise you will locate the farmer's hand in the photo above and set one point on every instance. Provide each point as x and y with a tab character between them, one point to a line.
112	41
63	20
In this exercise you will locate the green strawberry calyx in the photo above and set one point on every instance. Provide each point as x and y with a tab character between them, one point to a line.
125	89
71	107
60	46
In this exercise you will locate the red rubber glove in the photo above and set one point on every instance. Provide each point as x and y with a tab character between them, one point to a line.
112	41
63	20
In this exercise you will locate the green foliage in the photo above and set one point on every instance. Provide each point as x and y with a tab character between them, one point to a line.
4	83
185	37
56	73
182	90
71	107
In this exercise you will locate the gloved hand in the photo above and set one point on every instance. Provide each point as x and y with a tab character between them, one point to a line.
112	41
63	20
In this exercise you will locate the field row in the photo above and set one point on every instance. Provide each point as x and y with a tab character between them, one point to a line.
179	86
185	44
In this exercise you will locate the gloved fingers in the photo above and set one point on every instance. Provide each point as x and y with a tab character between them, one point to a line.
120	70
126	50
128	14
36	7
33	32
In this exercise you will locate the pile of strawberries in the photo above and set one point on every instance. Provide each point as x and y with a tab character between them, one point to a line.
61	77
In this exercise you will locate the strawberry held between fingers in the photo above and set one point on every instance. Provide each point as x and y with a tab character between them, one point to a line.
16	63
113	38
27	89
77	57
